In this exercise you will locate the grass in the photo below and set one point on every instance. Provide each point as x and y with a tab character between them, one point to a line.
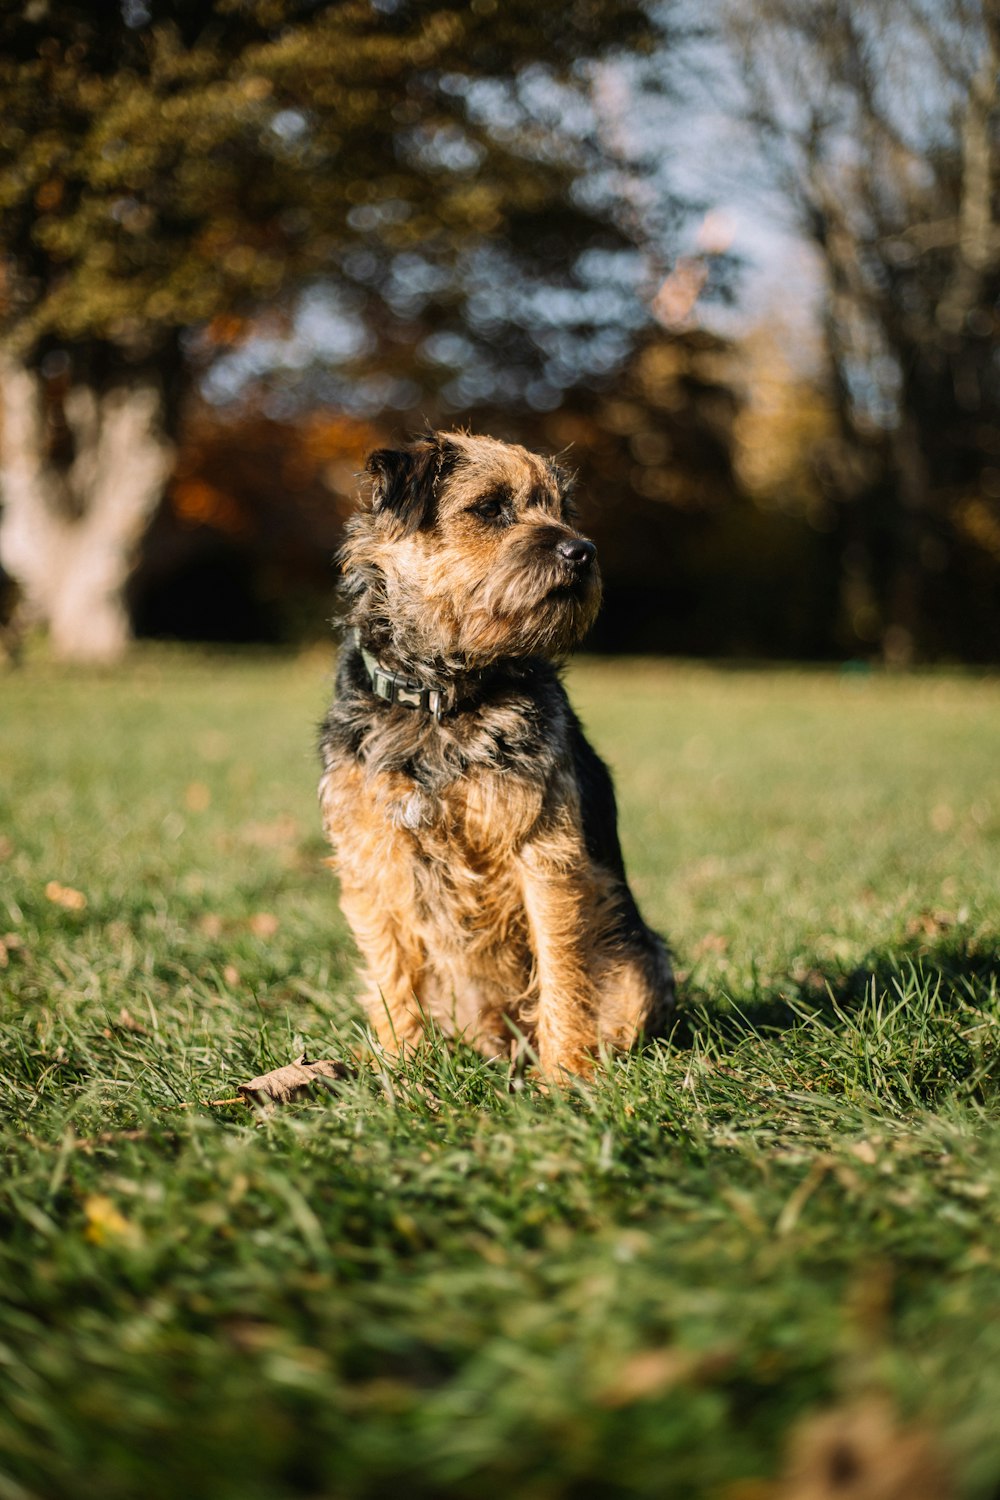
420	1283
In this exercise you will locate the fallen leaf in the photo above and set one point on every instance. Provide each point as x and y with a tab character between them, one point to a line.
859	1451
646	1374
294	1081
197	797
712	942
264	924
65	896
942	817
106	1224
127	1022
929	924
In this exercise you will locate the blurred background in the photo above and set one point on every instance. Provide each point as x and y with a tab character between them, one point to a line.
738	262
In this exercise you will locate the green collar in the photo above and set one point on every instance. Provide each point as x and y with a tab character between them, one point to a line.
396	687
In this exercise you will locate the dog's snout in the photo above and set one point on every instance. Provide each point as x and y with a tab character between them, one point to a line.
576	550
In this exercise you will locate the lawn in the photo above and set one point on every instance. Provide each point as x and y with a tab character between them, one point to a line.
763	1257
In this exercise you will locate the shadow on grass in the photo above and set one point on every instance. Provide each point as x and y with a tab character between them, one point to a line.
953	971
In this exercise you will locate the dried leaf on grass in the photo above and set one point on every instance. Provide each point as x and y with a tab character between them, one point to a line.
930	924
126	1022
264	924
107	1225
646	1374
862	1452
294	1081
65	896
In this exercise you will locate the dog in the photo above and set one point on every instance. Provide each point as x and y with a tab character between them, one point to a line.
474	828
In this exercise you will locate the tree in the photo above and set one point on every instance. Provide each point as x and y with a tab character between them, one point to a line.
880	124
174	172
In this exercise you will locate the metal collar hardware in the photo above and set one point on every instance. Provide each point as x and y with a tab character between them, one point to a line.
395	687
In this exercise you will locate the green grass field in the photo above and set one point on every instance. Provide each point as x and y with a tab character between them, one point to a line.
777	1235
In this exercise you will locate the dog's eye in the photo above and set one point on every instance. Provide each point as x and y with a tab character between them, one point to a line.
492	508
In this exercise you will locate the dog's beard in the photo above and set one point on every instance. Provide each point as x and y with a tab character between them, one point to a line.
545	610
438	619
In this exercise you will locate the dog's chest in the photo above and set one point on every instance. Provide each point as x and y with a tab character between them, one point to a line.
444	868
478	822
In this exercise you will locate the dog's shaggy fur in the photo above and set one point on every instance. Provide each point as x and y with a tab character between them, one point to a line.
477	847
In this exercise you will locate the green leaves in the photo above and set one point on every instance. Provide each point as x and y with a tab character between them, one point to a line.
156	175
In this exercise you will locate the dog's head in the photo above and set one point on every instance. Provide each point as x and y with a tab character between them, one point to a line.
469	548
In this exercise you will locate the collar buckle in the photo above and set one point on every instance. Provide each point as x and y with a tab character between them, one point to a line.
393	687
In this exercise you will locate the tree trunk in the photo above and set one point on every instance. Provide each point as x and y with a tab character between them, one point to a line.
82	470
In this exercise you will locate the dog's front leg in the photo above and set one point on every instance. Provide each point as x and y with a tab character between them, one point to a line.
558	902
394	964
374	861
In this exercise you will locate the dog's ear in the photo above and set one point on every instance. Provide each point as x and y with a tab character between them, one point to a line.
405	481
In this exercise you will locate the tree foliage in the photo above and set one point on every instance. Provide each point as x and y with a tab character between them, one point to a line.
881	124
175	174
176	165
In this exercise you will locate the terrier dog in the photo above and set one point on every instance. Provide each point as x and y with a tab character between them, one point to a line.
474	827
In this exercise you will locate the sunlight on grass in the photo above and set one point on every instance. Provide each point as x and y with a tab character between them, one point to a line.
421	1282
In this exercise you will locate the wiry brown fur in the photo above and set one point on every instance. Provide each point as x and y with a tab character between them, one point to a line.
478	856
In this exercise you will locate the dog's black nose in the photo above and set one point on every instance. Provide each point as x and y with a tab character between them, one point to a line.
576	550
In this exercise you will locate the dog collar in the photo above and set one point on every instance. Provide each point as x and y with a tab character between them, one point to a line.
396	687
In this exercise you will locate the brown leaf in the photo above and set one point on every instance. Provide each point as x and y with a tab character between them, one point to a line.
127	1022
861	1452
197	797
65	896
294	1081
645	1375
263	924
712	942
929	924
